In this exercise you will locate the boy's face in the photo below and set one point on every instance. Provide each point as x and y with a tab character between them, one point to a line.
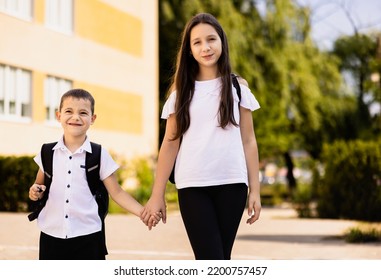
75	116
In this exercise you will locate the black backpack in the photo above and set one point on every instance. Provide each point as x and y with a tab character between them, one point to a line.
92	166
171	178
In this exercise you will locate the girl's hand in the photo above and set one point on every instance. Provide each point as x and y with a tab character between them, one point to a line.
36	192
254	208
154	219
154	206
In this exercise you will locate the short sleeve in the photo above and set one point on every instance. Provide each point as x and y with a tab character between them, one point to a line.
37	159
108	165
248	100
169	106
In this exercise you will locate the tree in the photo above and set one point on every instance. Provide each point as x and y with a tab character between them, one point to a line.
356	55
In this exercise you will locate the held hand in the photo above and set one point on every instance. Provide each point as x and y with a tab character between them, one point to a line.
36	192
154	206
254	208
154	220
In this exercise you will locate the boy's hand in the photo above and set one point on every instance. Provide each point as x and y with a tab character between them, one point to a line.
154	220
36	192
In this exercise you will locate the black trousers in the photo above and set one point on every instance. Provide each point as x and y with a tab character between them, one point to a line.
211	216
87	247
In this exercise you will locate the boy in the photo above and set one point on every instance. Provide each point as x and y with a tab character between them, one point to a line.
69	222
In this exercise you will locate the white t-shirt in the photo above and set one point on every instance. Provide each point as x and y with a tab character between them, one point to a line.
71	209
210	155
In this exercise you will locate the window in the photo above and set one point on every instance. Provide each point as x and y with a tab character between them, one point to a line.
54	89
18	8
15	93
59	15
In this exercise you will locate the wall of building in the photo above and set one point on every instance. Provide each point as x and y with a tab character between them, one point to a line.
112	52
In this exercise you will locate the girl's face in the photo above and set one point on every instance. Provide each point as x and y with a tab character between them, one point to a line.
205	44
75	116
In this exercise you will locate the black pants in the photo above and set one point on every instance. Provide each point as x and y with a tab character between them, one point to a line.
211	216
87	247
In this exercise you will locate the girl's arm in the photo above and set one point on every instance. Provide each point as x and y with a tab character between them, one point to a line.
166	159
252	162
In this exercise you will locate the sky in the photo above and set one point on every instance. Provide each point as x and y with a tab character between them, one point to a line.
330	18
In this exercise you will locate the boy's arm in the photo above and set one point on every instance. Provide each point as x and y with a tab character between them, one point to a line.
36	191
122	198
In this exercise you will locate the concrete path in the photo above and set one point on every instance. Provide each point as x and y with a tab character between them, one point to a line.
278	235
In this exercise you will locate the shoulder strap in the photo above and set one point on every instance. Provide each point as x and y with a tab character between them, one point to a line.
97	188
93	162
47	163
236	85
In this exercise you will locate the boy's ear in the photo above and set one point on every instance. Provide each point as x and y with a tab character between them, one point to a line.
93	117
58	115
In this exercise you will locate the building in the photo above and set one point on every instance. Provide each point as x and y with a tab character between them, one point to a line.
108	47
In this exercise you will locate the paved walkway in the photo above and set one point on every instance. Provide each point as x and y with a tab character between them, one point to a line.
278	235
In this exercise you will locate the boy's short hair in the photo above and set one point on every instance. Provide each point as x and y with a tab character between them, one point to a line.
79	94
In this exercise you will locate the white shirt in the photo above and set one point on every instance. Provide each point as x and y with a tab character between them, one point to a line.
71	209
210	155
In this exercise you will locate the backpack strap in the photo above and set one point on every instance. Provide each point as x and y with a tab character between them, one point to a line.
97	188
236	85
47	163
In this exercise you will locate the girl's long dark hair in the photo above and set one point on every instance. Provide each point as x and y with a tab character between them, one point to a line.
187	69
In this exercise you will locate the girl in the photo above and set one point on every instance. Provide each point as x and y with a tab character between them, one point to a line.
218	158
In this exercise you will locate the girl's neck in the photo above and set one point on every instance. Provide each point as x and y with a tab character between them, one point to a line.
206	74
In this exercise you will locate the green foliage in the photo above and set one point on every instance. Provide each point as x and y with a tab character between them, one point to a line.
351	185
357	56
142	169
17	175
302	199
358	235
273	194
145	177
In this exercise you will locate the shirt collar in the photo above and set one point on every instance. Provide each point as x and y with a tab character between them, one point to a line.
86	146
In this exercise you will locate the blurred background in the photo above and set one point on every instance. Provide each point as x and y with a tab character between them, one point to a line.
314	67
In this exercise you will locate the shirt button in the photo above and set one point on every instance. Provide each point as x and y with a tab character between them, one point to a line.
66	216
69	172
67	200
68	186
70	157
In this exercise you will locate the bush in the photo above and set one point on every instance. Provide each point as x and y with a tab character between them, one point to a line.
358	235
17	175
142	169
302	200
351	185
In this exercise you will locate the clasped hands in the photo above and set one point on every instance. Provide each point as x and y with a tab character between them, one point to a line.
153	212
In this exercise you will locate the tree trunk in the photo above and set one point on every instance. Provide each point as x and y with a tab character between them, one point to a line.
290	172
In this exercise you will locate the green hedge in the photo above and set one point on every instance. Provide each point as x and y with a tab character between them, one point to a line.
351	185
17	175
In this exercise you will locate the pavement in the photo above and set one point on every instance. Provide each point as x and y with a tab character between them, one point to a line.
278	235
